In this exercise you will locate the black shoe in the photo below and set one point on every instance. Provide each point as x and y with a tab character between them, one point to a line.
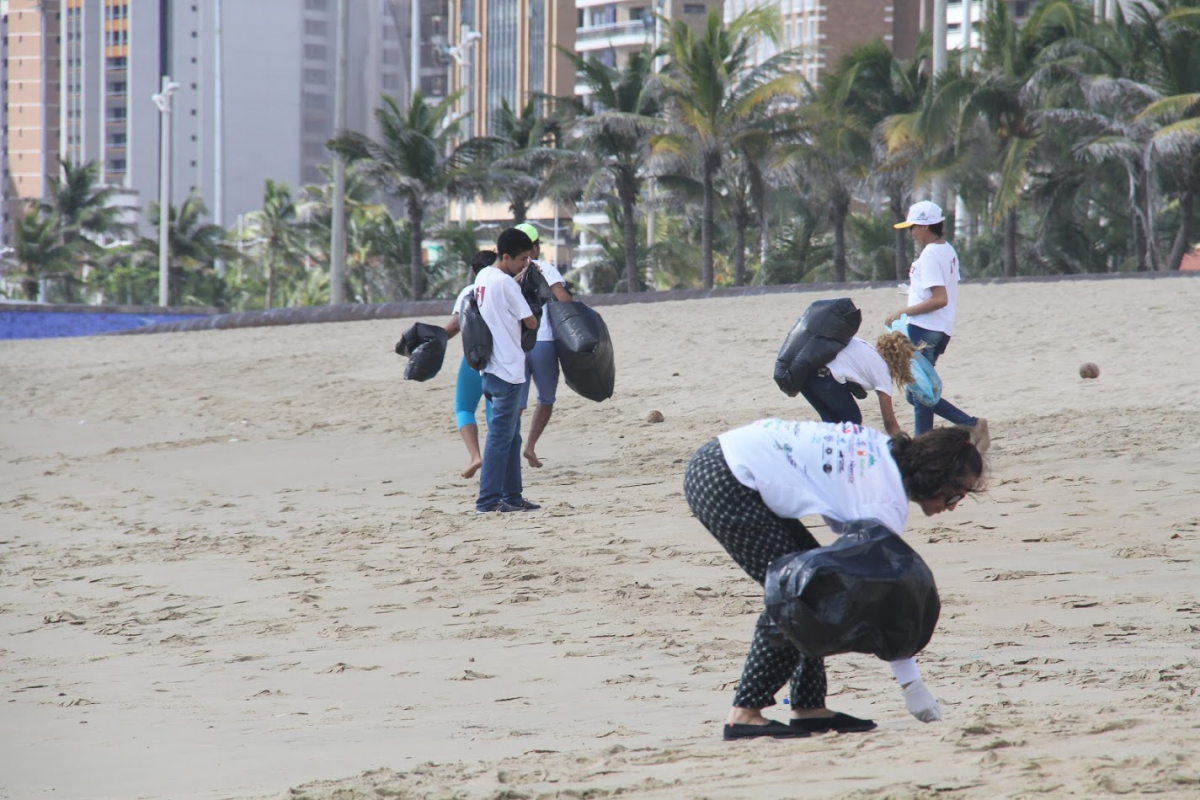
838	723
500	506
774	729
524	505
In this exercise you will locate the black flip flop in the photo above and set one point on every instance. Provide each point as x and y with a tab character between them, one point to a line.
838	723
774	729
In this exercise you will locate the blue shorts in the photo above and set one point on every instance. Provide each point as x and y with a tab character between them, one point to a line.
469	389
541	364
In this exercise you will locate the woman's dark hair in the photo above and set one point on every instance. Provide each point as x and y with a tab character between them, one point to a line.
481	259
936	461
513	242
938	228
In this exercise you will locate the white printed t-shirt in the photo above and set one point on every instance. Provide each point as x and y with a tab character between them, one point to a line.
839	470
552	276
936	266
861	363
503	308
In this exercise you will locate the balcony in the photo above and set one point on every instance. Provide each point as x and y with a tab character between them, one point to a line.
617	36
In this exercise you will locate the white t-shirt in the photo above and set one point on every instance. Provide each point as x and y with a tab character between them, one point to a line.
503	308
839	470
552	276
936	266
462	298
861	363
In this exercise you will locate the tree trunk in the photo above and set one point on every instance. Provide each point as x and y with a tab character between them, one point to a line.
706	227
628	192
1183	235
1010	243
739	251
900	238
416	219
30	287
519	209
763	239
839	209
270	282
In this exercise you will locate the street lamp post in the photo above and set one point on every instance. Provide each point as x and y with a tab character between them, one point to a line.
163	101
460	55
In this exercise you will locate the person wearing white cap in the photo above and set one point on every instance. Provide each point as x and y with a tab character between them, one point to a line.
542	361
932	302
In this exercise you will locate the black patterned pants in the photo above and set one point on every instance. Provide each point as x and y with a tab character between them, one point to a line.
754	537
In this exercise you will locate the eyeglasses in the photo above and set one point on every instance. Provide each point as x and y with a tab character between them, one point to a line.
952	499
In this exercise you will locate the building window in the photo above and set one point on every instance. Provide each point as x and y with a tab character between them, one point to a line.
694	8
116	114
117	62
117	88
116	165
314	27
317	76
314	102
315	51
116	140
316	5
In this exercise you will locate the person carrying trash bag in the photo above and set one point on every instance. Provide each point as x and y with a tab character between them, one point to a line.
750	486
857	369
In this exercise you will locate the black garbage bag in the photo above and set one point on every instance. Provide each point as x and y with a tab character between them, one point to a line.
584	349
868	592
824	329
425	346
536	292
476	335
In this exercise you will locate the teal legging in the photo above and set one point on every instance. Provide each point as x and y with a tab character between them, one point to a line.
467	392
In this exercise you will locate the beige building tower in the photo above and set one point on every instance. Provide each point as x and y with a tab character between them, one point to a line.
31	101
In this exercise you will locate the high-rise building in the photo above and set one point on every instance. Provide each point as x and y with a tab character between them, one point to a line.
611	31
31	97
508	50
275	60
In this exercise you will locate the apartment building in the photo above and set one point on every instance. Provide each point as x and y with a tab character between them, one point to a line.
611	31
31	96
508	50
81	74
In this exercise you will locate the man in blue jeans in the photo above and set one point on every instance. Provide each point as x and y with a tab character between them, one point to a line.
505	310
932	302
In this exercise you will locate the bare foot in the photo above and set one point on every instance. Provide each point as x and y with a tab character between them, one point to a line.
472	468
532	458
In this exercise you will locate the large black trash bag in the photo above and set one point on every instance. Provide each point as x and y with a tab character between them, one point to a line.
822	331
476	335
425	346
868	592
584	349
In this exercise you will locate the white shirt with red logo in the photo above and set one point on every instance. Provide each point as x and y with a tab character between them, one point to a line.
503	307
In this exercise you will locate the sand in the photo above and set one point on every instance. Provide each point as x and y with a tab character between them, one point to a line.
243	564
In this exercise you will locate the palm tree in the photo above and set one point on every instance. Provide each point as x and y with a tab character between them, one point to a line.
415	162
609	132
276	233
85	212
192	246
527	146
717	101
38	251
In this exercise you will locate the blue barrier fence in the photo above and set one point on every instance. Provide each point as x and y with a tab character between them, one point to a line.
34	321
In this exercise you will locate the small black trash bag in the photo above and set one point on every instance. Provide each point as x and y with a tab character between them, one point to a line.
584	349
868	592
824	329
476	335
536	292
425	346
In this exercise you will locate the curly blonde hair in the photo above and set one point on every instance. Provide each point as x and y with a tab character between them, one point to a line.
897	352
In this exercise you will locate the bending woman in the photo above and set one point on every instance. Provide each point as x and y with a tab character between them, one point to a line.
750	486
831	389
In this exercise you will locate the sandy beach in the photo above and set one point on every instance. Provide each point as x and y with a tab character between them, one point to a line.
242	563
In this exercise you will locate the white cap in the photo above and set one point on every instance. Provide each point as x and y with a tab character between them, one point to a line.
925	212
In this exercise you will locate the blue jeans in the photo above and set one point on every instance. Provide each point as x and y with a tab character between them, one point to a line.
935	344
831	399
500	476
